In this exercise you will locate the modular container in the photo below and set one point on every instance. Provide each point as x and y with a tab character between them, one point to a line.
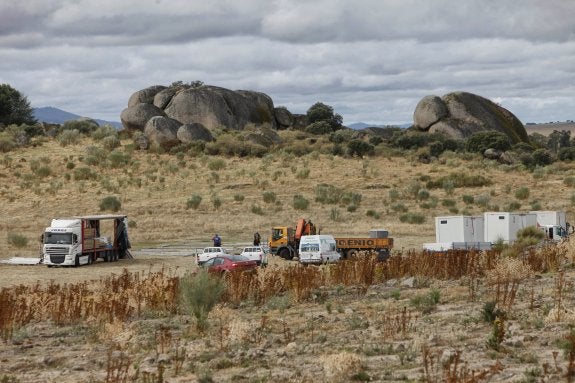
460	228
504	225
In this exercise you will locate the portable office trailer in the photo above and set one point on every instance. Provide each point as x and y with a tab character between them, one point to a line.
459	228
551	218
504	225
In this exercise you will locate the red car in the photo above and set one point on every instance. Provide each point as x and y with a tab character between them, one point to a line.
227	263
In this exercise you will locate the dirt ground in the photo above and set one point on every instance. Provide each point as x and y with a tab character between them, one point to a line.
338	335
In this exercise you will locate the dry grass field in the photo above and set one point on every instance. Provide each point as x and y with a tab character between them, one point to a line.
415	319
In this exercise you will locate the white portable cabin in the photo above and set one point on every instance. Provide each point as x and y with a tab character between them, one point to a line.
459	228
551	218
504	225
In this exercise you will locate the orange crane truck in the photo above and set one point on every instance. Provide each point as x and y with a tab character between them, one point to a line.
284	240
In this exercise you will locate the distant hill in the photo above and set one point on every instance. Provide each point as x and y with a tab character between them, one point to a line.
363	125
548	127
53	115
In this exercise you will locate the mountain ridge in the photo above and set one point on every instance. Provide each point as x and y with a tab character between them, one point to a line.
53	115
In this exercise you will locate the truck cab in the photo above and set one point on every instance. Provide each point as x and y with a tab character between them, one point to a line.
555	233
284	240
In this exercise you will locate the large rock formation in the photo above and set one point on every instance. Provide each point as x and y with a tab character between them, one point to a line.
200	111
462	114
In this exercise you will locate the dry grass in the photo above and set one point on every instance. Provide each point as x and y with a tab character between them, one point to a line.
154	190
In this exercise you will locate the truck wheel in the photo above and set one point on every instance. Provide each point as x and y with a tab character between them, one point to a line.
89	259
106	256
77	261
116	256
351	254
285	254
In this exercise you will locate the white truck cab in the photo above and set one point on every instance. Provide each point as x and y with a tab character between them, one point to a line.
318	249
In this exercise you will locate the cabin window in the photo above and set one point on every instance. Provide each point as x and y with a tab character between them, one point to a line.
443	222
501	217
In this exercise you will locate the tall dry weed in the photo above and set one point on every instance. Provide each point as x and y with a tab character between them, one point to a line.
505	278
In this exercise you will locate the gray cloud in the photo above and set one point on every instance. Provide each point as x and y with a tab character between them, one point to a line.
371	60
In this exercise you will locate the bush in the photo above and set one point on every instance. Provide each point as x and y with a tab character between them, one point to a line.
359	148
569	181
194	201
414	218
111	142
269	197
522	193
69	137
426	303
372	214
110	203
467	199
17	240
103	132
481	141
118	159
299	202
399	208
84	173
566	154
239	197
319	128
216	164
200	293
257	210
82	126
459	180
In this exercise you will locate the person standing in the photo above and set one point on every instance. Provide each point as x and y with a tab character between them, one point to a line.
257	239
217	240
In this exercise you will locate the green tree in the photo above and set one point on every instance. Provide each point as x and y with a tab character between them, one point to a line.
319	112
14	107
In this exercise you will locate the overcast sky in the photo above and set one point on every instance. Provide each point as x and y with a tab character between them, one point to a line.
372	60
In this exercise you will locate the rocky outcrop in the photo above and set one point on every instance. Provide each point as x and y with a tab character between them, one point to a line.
194	132
202	110
162	131
145	95
461	114
135	117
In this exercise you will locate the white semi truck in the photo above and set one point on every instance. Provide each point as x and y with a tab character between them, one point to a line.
82	240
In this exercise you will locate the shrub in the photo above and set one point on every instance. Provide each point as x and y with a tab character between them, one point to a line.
423	194
110	142
216	202
110	203
359	148
399	208
566	154
372	214
481	141
299	202
7	142
468	199
319	128
426	303
303	174
84	173
269	197
414	218
238	197
118	159
69	137
200	293
393	194
103	132
217	164
82	126
569	181
514	206
459	180
448	202
522	193
194	201
257	210
334	215
17	240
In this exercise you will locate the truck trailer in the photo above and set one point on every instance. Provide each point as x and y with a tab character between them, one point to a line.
82	240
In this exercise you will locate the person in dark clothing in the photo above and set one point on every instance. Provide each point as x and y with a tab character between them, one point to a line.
217	240
257	239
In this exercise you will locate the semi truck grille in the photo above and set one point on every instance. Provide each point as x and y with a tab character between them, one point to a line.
57	258
57	251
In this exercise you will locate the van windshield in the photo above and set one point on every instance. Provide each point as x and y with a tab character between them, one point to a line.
58	238
309	247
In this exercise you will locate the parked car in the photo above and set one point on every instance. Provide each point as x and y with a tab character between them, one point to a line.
226	263
208	253
256	253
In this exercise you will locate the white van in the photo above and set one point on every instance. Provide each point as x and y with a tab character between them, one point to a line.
318	249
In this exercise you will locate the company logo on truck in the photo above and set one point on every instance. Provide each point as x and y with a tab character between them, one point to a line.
356	242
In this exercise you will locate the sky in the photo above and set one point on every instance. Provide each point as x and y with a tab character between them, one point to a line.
371	60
